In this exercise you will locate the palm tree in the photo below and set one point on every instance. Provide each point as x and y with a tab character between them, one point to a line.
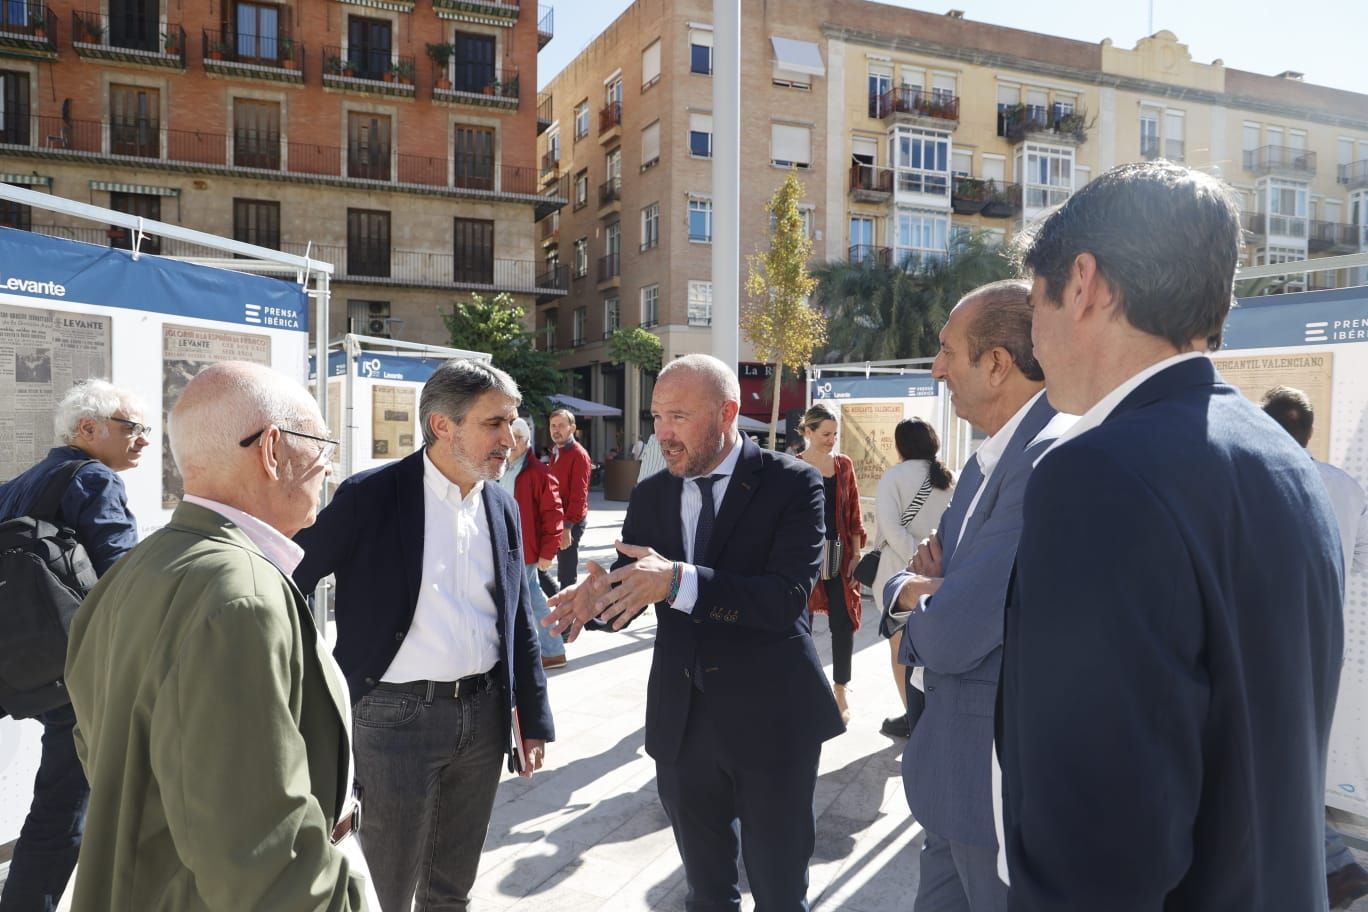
881	313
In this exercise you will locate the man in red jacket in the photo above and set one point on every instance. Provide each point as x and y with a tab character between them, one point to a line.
539	508
570	465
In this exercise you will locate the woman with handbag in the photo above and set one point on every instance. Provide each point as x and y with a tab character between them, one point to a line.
836	594
908	504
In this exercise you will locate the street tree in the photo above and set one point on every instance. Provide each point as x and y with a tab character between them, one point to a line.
495	325
782	327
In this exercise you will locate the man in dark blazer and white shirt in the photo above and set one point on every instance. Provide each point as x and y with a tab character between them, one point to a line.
435	636
726	545
955	591
1174	636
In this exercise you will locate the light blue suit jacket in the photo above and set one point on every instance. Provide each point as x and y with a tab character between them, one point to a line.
957	636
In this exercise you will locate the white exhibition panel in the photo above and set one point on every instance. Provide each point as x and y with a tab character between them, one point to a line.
69	311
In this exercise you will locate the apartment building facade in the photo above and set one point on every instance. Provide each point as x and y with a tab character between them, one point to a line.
394	139
905	128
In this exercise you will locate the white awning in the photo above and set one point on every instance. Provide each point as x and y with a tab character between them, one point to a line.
586	409
798	56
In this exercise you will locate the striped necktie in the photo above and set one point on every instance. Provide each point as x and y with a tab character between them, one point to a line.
707	514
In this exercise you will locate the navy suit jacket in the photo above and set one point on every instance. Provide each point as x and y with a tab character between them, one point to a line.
1173	647
749	632
370	536
958	638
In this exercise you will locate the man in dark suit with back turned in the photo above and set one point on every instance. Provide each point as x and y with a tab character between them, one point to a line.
726	545
1174	636
435	636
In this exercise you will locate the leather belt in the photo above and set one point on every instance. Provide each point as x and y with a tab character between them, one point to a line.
349	823
456	690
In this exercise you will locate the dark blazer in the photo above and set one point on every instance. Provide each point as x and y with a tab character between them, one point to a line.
1172	655
371	537
958	638
749	632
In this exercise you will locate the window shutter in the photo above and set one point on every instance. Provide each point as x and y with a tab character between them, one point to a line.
791	144
650	64
650	144
701	37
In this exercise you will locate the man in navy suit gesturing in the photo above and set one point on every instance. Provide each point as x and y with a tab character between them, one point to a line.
1174	636
726	544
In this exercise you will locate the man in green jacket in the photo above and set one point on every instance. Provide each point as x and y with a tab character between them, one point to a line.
211	721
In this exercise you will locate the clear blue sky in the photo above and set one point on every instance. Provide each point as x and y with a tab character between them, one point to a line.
1325	39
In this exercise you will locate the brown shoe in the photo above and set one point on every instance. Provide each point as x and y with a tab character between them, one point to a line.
1346	885
554	661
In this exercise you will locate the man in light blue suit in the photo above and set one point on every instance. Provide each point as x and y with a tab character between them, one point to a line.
955	591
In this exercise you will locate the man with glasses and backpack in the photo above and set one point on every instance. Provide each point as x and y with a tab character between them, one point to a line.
77	492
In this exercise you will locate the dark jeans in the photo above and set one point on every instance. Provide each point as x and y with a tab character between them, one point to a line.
567	561
429	768
842	630
716	809
51	836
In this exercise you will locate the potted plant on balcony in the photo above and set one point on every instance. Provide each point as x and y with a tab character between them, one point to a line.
333	64
492	87
510	87
404	69
171	42
94	31
391	74
1074	124
220	49
440	55
287	58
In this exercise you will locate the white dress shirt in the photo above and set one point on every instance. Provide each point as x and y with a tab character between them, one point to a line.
1351	515
691	504
454	633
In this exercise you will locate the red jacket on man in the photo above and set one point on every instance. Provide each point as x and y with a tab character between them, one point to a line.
539	508
570	465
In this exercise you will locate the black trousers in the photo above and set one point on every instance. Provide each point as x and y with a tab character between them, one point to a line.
567	561
719	810
842	630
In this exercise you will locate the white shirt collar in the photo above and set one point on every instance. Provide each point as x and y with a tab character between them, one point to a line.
728	464
444	487
278	549
991	450
1108	403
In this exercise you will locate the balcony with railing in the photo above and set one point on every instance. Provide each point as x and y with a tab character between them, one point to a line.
550	168
277	58
609	269
546	26
132	37
545	112
1004	200
143	141
1354	175
478	85
429	269
1332	237
969	195
610	194
869	184
867	253
549	232
1263	225
1055	124
375	71
553	283
918	107
28	25
610	121
1283	160
486	12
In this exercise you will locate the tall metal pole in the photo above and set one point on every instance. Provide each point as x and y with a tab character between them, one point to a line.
726	182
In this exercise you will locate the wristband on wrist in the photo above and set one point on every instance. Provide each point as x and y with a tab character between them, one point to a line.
676	577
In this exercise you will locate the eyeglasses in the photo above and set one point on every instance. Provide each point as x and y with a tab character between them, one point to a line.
135	428
325	453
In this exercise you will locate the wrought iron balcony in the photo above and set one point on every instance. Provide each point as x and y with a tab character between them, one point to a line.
553	283
28	25
1004	200
487	12
1265	225
1284	160
1354	175
969	195
376	71
1054	124
545	113
429	269
546	26
869	184
1332	237
132	37
609	267
610	118
477	84
550	229
610	191
275	57
875	256
906	103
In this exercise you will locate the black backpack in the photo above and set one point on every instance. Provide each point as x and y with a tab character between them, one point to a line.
44	574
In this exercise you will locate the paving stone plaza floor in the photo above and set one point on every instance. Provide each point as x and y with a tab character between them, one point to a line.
588	833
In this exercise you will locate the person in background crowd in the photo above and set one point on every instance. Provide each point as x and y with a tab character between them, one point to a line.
837	595
1346	880
725	545
434	632
652	460
1175	633
908	503
534	487
571	465
953	595
97	421
210	717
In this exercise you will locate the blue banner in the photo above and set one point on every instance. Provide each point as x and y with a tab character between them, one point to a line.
878	386
1302	318
56	269
375	366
